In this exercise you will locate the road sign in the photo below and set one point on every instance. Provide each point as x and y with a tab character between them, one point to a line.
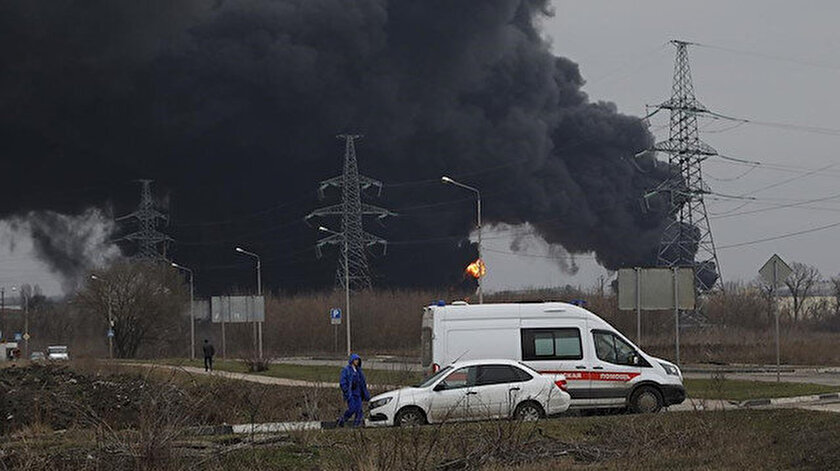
26	336
110	332
775	271
18	337
652	289
335	316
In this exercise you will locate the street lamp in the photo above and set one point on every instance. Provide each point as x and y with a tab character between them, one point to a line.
447	180
110	316
257	325
25	298
192	309
3	311
346	282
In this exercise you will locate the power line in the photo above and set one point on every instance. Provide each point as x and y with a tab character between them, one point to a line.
781	206
782	236
780	125
762	55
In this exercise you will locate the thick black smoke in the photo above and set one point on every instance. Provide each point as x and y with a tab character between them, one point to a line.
232	107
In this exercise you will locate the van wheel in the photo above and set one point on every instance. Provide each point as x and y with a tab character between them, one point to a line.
528	412
409	417
646	400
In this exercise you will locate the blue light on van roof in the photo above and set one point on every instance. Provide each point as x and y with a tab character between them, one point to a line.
440	302
578	302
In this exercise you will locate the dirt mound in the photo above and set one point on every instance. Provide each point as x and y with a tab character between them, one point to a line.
60	398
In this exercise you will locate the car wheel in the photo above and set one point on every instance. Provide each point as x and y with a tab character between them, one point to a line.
528	412
409	417
646	400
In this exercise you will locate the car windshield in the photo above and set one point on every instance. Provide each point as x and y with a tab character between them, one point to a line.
431	379
57	349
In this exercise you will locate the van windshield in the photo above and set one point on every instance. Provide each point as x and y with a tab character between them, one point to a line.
431	379
57	349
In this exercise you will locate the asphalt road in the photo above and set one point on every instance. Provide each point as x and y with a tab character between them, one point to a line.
790	374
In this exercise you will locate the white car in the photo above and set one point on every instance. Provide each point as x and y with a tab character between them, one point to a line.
57	353
473	390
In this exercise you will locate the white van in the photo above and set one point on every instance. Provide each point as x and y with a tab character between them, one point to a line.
603	368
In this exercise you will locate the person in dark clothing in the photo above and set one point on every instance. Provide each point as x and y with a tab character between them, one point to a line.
209	351
354	388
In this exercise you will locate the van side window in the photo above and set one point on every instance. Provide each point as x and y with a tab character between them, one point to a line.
612	348
551	344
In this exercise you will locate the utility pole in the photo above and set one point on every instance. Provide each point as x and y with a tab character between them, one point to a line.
257	325
192	308
111	334
351	210
687	238
26	297
346	285
481	266
2	313
151	243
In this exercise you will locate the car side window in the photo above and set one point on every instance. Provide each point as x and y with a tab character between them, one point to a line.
612	348
497	374
460	378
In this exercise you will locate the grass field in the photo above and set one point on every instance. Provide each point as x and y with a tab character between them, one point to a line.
749	439
98	415
740	390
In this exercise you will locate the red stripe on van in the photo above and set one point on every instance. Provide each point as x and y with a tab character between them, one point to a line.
620	376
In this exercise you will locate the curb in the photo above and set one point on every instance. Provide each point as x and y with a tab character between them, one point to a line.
210	430
269	427
788	400
276	427
736	370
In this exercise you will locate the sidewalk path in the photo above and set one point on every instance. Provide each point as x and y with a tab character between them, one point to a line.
254	378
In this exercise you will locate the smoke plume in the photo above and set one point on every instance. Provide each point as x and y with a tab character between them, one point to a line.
73	245
231	106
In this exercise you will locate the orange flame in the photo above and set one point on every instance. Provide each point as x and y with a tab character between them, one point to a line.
476	269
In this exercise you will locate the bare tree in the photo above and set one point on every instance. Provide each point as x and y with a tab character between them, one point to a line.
801	284
145	300
835	293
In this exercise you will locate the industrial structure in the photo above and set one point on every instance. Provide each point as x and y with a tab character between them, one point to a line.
687	238
151	243
353	272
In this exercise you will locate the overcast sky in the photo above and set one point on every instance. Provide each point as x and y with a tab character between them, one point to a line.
786	70
771	61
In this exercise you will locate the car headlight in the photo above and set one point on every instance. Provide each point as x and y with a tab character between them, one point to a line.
380	402
670	369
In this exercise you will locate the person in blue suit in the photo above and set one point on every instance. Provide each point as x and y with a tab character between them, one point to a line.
354	388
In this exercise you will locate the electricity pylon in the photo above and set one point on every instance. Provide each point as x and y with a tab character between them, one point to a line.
151	243
687	238
352	237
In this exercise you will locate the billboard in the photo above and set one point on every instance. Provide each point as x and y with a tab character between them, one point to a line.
656	286
233	309
201	309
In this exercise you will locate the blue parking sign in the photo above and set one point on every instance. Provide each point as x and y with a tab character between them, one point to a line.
335	316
